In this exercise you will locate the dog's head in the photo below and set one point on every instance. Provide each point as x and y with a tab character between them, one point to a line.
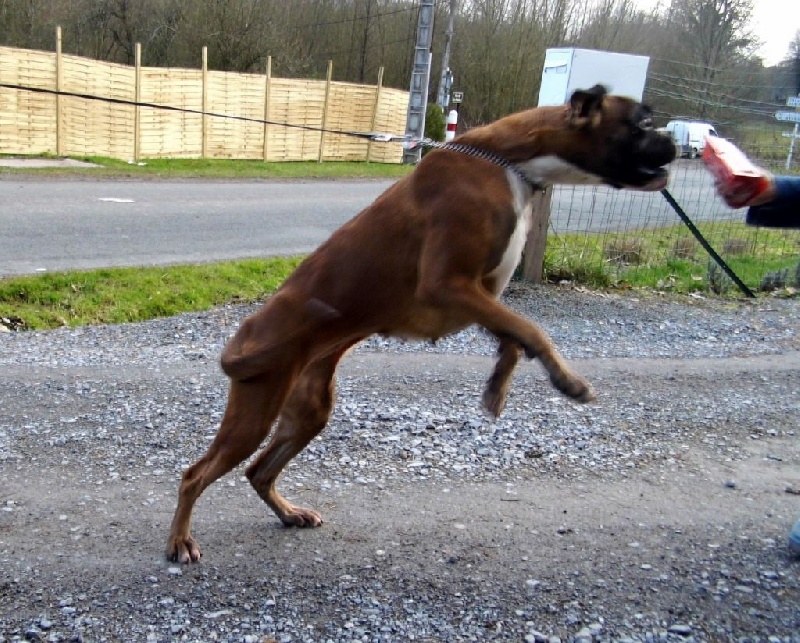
627	151
596	138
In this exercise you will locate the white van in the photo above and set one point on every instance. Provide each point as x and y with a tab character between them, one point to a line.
690	136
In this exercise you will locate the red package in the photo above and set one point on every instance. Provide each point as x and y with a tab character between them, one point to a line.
738	179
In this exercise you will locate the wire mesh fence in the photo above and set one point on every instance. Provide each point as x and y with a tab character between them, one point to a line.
603	235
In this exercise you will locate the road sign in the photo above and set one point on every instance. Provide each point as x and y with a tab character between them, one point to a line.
789	117
458	97
793	101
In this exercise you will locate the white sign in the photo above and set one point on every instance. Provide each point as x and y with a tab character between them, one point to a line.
793	101
458	97
789	117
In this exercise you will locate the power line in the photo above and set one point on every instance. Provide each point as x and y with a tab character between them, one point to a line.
342	21
353	20
361	48
710	103
696	65
711	83
693	92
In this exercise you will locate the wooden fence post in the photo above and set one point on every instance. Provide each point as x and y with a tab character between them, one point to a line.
375	111
325	110
533	258
204	144
137	98
267	84
59	101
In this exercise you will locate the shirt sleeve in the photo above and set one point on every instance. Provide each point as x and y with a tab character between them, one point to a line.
784	210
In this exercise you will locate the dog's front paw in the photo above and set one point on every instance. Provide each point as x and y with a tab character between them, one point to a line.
183	550
301	517
575	387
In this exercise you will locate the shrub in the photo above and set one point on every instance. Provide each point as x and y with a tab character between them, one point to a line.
624	251
684	248
435	123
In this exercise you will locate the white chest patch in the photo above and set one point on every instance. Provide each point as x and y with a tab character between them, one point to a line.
547	170
523	208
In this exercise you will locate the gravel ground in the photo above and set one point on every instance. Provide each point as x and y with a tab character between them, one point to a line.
659	513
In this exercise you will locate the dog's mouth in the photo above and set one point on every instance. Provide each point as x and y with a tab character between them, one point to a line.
645	165
646	179
655	178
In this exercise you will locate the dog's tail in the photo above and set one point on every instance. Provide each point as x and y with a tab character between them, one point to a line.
267	335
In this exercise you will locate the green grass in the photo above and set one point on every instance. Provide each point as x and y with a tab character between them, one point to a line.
764	143
117	295
665	260
219	169
671	259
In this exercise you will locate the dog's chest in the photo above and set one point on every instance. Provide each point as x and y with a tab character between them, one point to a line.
523	209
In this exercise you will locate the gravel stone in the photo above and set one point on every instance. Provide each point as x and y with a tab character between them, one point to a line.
555	522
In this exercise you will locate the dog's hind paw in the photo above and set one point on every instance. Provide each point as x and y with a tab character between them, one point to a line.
494	401
183	550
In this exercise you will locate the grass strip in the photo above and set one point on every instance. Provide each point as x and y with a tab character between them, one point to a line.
119	295
207	169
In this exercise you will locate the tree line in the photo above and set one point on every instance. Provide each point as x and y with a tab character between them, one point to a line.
703	53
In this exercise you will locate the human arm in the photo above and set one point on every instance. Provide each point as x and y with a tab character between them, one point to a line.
778	206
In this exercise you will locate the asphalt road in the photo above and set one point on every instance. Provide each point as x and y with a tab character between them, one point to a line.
57	225
51	225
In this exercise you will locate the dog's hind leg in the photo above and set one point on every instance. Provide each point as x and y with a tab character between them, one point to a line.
251	410
494	395
303	416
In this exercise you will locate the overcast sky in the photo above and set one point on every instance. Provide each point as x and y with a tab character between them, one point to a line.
775	23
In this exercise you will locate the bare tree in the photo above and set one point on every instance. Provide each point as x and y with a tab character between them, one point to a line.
703	62
27	23
792	61
614	25
498	56
706	41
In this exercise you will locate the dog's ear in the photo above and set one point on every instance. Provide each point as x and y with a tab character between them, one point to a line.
584	105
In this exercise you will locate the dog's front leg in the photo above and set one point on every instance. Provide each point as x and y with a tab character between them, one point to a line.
468	301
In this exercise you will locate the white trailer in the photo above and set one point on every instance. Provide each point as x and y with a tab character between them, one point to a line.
568	69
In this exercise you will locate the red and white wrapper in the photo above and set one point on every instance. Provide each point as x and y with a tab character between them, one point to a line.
738	179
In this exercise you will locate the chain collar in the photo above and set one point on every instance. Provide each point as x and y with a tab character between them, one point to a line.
486	156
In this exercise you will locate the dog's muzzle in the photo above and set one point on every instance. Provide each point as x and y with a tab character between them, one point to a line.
648	169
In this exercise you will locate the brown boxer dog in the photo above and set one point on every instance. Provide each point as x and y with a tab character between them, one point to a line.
429	257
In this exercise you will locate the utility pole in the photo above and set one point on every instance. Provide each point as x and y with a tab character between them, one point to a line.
420	77
446	79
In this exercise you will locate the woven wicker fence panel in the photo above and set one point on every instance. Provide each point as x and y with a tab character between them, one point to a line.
34	123
96	127
27	119
391	119
298	103
166	133
350	108
239	95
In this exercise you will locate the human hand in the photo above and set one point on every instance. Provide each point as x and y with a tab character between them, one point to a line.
734	195
739	181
